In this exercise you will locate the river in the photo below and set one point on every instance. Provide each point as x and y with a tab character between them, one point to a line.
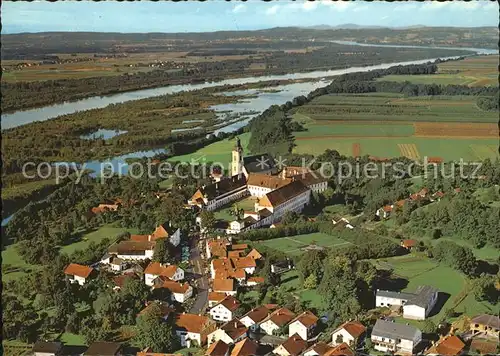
262	100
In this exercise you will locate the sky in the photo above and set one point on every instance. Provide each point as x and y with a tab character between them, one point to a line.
215	15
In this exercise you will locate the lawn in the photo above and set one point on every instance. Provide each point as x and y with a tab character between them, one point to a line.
247	204
293	245
72	339
18	267
97	236
291	281
215	152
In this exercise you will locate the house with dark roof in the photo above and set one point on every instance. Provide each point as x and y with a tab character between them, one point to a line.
388	336
219	348
254	317
103	348
215	195
132	250
420	305
47	348
277	319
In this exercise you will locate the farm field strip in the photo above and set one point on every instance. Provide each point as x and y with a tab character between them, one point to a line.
426	129
409	150
356	149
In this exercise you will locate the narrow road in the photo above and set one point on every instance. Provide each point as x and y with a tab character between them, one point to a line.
200	276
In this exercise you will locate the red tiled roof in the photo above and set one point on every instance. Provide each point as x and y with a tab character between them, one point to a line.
354	328
174	287
243	262
120	280
191	322
157	269
139	238
294	345
254	254
234	328
218	348
340	350
409	243
258	314
216	296
451	345
257	280
245	347
239	247
307	319
387	208
281	317
231	303
224	285
75	269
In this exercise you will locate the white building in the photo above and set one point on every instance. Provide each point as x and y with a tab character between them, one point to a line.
168	232
218	194
293	346
277	319
156	269
181	292
133	250
260	184
388	336
390	299
224	311
215	298
351	333
254	317
303	325
416	305
78	273
193	327
231	332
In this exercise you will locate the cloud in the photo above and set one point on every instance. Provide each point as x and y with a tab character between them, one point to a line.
272	10
384	17
238	9
310	5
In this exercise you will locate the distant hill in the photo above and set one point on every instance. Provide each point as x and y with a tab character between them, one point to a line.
353	26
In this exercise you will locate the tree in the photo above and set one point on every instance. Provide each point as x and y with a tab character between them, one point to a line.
311	263
207	221
484	289
339	339
311	282
270	277
161	252
154	332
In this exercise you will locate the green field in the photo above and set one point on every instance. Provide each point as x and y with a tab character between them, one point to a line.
215	152
293	245
291	281
423	271
247	204
360	129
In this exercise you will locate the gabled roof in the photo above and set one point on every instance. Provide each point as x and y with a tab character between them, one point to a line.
254	254
451	345
307	319
128	246
47	346
239	247
103	348
321	348
218	348
310	178
230	303
267	181
486	319
140	238
409	243
294	345
243	262
281	317
216	296
174	287
256	279
245	347
163	230
259	163
224	285
341	350
157	269
225	185
257	314
354	328
283	194
389	329
234	329
191	322
395	295
235	254
75	269
422	297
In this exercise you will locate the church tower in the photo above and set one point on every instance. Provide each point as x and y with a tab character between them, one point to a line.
237	162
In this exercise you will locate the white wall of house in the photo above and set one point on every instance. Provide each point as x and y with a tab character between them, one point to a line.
346	337
311	353
175	238
388	302
225	198
319	187
281	351
385	344
221	313
298	328
77	279
414	312
257	191
220	334
182	297
296	204
269	327
147	254
249	323
186	337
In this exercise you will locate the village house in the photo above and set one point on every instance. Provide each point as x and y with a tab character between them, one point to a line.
181	292
215	298
132	250
166	231
390	299
409	244
293	346
384	212
324	349
156	269
224	286
342	223
388	336
219	348
450	345
312	180
245	347
231	332
217	248
78	273
420	305
104	348
246	263
303	325
193	327
261	184
488	325
47	348
351	333
276	320
254	254
253	281
254	317
224	311
119	280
